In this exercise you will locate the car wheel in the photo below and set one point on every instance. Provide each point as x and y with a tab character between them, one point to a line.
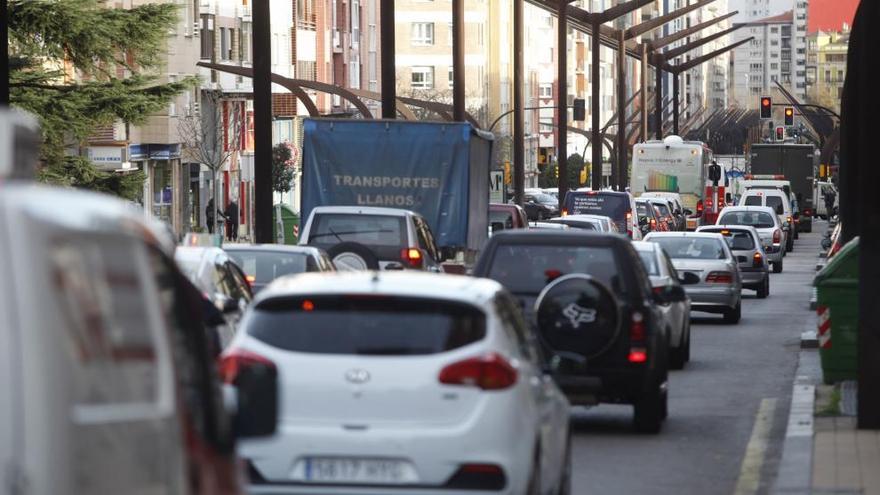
764	290
351	256
565	476
777	267
733	316
687	345
797	234
534	486
789	247
652	407
677	357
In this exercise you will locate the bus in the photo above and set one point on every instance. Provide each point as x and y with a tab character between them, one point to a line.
677	166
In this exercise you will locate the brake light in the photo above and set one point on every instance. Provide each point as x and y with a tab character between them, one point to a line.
412	257
653	223
638	355
235	360
699	207
488	372
777	236
788	219
564	212
250	280
757	260
719	278
808	212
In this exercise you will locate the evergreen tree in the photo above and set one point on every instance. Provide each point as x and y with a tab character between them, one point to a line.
64	56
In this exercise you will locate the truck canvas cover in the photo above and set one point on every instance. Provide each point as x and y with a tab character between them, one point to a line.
437	169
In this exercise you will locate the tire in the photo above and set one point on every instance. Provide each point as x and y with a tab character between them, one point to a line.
789	246
534	486
652	407
678	355
687	345
351	256
764	290
797	234
777	267
564	487
732	316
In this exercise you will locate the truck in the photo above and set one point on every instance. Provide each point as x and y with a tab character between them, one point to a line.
439	170
677	166
796	163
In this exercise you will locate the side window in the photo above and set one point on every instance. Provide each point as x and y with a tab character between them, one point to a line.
516	326
240	287
109	302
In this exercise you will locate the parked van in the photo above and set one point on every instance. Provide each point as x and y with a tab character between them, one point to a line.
108	382
617	205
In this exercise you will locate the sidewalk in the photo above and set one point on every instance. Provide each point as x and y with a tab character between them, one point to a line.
824	453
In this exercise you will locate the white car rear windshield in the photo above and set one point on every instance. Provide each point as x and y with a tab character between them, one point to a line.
756	219
366	325
693	248
371	230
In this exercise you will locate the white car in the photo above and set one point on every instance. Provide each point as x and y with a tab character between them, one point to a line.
402	382
599	223
766	222
779	202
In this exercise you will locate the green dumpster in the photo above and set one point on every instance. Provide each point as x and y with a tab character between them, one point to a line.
287	227
837	310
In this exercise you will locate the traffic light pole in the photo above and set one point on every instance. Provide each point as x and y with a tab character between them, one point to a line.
388	64
519	168
262	81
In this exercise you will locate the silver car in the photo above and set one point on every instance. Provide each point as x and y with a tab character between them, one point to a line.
598	223
745	243
766	222
675	311
708	257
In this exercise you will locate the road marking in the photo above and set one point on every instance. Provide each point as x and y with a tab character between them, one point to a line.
750	474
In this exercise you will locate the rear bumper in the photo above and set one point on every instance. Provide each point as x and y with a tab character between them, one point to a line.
622	385
753	277
705	298
774	253
493	435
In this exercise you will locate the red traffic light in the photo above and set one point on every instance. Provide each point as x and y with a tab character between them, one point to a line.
766	107
780	133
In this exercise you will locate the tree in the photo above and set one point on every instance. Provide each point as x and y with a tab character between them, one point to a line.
211	138
550	176
283	165
48	38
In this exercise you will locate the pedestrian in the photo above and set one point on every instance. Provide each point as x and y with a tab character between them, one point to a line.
209	215
231	215
830	197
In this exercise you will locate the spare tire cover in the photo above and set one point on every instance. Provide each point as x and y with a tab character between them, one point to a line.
578	314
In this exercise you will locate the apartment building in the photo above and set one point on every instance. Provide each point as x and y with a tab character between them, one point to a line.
827	67
777	54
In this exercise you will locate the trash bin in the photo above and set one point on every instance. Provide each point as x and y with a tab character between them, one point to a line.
837	308
287	229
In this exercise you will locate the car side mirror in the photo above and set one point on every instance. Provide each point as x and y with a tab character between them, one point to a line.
689	278
497	226
826	243
688	212
226	304
257	405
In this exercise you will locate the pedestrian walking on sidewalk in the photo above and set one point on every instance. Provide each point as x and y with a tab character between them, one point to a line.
231	215
210	215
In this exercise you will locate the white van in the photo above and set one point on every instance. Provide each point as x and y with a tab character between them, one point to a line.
778	200
107	383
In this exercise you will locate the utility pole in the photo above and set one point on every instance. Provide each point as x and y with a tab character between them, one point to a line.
562	100
389	67
458	98
519	168
262	43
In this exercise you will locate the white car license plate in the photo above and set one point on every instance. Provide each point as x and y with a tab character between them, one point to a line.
354	470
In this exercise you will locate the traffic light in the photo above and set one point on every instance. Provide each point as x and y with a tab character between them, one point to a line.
580	110
780	134
508	177
823	171
789	116
766	107
542	159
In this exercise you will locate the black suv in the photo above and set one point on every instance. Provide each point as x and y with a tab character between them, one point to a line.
601	349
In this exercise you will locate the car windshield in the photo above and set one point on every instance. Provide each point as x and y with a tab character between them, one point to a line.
642	209
265	266
664	209
501	216
696	248
526	269
372	230
737	240
756	219
649	259
613	206
774	201
365	325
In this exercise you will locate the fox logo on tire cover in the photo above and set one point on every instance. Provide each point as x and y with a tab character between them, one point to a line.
577	315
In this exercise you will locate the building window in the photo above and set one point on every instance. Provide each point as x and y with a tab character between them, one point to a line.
827	76
307	70
451	78
422	78
207	36
546	91
422	33
224	44
774	66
